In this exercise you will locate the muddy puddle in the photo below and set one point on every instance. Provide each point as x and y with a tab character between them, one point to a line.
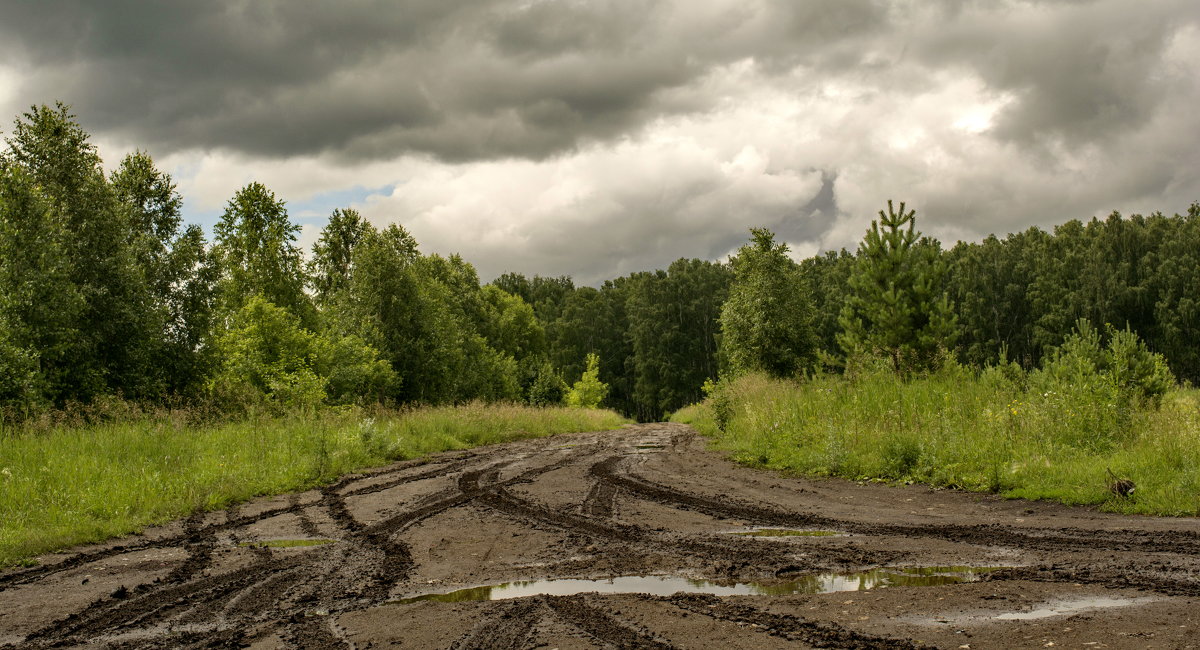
1073	606
656	585
288	543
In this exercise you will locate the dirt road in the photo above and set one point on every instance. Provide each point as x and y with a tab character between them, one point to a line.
631	539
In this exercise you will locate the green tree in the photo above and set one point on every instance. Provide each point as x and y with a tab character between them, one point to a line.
110	329
256	253
989	284
595	321
1177	296
674	316
333	253
179	272
589	391
827	277
766	324
548	387
265	354
897	307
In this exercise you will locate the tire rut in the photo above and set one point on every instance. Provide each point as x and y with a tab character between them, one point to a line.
1057	539
606	629
511	629
792	628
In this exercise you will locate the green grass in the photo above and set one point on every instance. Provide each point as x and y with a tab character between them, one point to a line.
68	484
979	432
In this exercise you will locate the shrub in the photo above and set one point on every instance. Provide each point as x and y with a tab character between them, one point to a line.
548	388
589	391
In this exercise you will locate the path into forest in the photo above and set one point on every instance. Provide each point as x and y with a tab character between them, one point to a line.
547	543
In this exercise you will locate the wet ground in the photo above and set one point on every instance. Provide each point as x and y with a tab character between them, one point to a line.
638	538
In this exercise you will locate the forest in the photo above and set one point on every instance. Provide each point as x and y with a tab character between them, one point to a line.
106	294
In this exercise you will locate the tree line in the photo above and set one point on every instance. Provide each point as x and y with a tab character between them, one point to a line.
104	291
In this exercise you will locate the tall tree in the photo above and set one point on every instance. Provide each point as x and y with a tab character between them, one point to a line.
897	306
177	269
827	277
257	255
333	253
674	317
113	327
766	324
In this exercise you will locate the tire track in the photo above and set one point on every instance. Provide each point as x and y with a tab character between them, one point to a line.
817	635
512	629
602	627
733	556
1057	539
601	501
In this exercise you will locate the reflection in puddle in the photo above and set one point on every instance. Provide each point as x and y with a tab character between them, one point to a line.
667	585
288	543
787	532
1075	606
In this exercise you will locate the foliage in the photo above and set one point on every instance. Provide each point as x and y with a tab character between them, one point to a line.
333	254
265	353
104	292
548	387
673	321
766	324
955	428
896	307
589	391
1122	370
256	253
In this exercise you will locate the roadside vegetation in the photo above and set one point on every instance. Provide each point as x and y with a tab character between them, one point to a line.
1101	408
73	482
957	428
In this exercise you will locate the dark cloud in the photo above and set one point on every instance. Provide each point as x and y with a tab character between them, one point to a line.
454	79
644	130
1079	71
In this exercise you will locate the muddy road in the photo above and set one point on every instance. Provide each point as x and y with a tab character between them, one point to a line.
638	538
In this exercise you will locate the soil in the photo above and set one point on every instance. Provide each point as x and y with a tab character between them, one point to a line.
381	559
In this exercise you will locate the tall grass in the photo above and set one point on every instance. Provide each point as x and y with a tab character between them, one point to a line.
961	429
66	484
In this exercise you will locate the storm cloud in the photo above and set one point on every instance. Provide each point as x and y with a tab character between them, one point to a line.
507	130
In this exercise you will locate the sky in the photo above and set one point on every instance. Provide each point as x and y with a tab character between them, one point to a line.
595	138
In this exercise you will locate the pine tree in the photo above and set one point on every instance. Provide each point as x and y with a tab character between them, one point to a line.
896	307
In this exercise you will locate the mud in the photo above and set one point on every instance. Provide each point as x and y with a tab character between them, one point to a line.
631	539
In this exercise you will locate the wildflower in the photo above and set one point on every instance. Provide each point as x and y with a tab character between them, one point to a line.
5	473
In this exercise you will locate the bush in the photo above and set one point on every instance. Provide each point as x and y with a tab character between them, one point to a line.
548	388
267	357
18	376
1124	364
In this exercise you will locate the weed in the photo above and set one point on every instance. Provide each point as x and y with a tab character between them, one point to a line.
993	431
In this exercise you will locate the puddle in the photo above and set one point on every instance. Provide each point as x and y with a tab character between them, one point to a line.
787	532
288	543
1064	607
667	585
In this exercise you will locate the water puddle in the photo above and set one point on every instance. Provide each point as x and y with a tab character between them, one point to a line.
667	585
1065	607
787	532
288	543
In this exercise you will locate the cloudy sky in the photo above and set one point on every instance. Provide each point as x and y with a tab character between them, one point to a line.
598	137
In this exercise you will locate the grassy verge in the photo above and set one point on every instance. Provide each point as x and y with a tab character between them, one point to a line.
69	485
962	430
